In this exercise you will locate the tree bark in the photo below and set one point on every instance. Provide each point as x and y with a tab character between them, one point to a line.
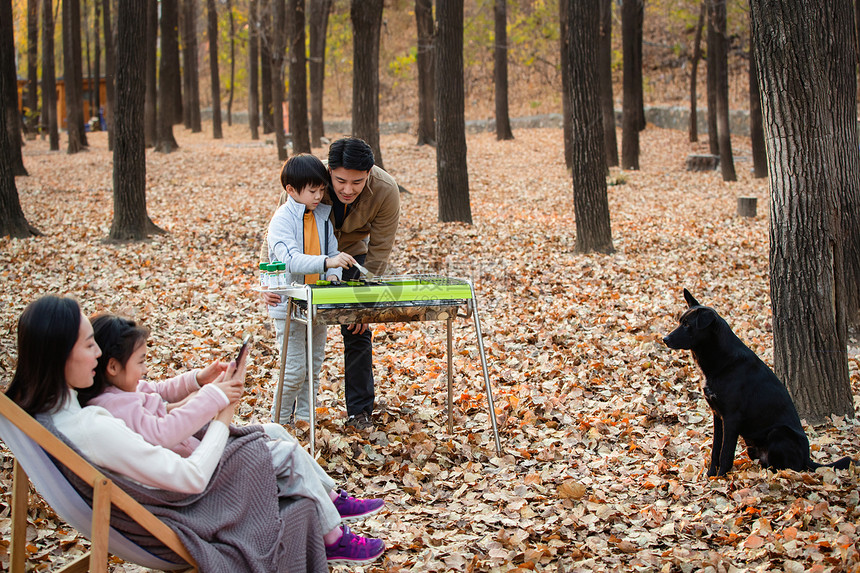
366	16
319	10
150	107
9	103
110	72
232	62
806	246
49	75
253	70
168	77
298	104
86	44
214	76
426	63
191	73
13	223
759	151
97	57
727	162
590	200
630	18
500	70
32	100
713	137
694	74
566	88
278	46
451	169
75	70
130	220
266	65
604	76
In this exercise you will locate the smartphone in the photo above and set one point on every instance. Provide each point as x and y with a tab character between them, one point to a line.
243	349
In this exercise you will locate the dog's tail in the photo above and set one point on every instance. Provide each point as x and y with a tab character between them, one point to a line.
840	464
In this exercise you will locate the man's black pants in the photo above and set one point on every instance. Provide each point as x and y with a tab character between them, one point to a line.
357	361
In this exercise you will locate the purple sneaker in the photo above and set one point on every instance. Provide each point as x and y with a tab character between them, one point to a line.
354	548
353	509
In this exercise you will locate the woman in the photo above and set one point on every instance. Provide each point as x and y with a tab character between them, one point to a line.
58	354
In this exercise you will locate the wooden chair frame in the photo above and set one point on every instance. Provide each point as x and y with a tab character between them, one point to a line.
105	495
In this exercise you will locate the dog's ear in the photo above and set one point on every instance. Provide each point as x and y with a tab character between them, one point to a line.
703	318
691	302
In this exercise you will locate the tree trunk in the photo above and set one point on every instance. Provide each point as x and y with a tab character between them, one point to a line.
232	62
630	17
638	59
500	70
713	138
173	56
77	69
806	247
694	74
214	77
97	57
13	223
318	26
278	47
759	152
298	104
110	72
604	76
590	199
49	75
253	70
185	56
266	65
74	113
86	44
366	16
9	103
168	77
130	220
452	174
150	107
192	70
566	88
426	63
32	100
727	162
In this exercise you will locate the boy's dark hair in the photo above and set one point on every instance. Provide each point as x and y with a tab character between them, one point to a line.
118	338
302	170
351	153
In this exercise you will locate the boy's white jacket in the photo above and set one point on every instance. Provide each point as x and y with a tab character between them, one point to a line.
287	244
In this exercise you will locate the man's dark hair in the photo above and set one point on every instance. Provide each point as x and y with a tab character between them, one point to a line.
351	153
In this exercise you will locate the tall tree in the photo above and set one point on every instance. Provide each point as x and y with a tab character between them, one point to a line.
759	151
168	76
319	11
604	77
71	69
567	128
191	71
266	39
130	220
32	101
110	70
13	223
298	105
253	70
97	56
49	86
9	76
713	131
590	199
150	106
232	62
88	58
500	70
694	73
721	57
214	76
426	63
631	25
278	46
452	174
806	246
366	16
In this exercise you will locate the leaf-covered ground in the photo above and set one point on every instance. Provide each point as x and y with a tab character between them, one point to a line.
605	432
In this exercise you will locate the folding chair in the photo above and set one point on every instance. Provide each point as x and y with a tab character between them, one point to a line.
31	444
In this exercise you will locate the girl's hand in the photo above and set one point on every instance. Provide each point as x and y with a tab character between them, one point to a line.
270	298
233	388
341	260
211	372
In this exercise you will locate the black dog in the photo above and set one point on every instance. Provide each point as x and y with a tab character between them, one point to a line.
745	395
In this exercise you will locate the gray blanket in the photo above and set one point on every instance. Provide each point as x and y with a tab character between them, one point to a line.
239	523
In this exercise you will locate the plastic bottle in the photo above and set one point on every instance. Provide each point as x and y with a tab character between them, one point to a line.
264	276
283	278
273	275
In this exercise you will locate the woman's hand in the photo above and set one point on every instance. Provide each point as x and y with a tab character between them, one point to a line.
211	372
341	260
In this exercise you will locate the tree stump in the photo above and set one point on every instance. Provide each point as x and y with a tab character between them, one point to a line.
747	206
702	162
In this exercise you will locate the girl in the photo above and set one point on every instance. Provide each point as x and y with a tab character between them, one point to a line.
58	355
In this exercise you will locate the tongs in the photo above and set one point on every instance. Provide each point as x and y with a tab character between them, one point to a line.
369	275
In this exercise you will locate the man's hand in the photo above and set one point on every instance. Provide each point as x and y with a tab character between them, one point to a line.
357	328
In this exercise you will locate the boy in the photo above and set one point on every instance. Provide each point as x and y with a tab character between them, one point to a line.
301	235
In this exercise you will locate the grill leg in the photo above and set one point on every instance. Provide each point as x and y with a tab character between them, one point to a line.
284	345
450	380
312	410
486	373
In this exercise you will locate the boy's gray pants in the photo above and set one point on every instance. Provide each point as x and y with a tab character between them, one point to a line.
295	390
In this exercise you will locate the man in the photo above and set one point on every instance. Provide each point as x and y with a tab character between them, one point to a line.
365	213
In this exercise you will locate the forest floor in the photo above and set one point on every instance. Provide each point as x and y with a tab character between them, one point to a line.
605	432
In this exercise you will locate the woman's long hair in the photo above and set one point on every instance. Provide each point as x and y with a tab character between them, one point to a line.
47	332
118	338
